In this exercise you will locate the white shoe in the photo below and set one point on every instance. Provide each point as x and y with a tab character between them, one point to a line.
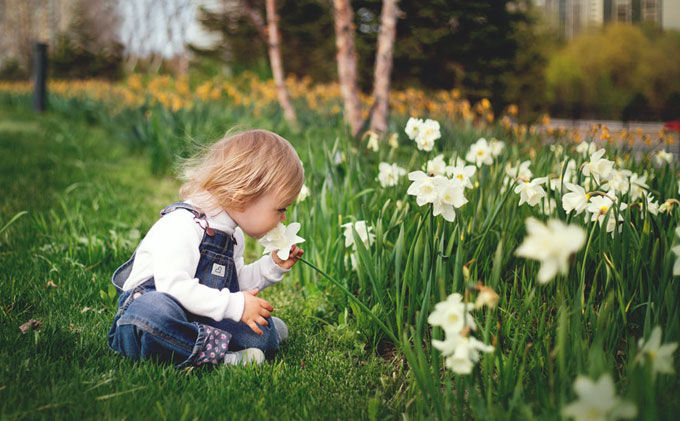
281	329
244	357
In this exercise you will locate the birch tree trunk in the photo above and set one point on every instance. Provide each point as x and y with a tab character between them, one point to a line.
383	66
347	64
256	19
276	63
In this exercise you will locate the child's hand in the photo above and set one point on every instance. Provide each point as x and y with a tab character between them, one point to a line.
255	310
295	254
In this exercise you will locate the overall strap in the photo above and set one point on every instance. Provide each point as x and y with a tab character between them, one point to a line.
199	216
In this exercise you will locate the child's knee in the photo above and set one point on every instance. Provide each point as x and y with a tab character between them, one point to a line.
156	314
267	342
154	305
246	338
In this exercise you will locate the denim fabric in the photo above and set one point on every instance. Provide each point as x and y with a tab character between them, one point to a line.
153	325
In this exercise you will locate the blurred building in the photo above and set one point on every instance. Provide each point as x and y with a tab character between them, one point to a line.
25	21
570	17
670	18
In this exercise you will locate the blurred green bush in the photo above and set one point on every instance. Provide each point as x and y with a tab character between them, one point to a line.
622	72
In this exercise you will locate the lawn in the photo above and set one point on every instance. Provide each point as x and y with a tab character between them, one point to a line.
88	201
533	275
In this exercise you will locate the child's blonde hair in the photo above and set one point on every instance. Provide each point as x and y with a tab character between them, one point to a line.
242	167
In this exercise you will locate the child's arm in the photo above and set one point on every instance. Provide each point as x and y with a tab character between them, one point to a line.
257	275
172	246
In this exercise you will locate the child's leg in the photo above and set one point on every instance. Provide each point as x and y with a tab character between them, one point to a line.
242	336
154	325
281	329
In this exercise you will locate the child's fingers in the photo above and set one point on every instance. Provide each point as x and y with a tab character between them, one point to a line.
253	326
262	321
265	305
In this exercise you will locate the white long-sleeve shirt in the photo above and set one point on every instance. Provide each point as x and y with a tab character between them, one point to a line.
170	253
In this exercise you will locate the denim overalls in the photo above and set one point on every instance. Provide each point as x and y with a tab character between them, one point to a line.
152	324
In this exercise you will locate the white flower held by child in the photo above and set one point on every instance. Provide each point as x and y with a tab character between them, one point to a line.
281	238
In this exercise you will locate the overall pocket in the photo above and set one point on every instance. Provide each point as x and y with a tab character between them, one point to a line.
215	270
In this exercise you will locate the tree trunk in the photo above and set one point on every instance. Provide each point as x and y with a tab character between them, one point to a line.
256	19
383	67
277	65
347	64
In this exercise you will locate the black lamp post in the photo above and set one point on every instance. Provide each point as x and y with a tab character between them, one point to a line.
39	76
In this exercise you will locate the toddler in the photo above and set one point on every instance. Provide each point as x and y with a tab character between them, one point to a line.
186	295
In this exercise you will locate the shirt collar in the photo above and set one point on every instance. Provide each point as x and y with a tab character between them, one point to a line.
218	219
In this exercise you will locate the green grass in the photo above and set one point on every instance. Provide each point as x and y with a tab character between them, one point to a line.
88	201
90	194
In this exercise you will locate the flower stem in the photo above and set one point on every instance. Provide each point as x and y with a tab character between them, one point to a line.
356	300
582	285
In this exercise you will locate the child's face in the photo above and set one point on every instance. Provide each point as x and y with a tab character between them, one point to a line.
260	216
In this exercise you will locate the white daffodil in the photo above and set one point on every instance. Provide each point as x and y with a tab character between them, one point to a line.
586	148
423	188
568	175
496	146
556	149
429	132
466	352
576	199
424	133
352	260
457	161
598	401
413	126
662	157
531	192
598	166
304	193
448	345
598	206
521	171
362	229
652	205
638	186
618	181
388	175
373	142
462	174
460	349
666	207
449	196
452	315
424	144
281	238
551	244
339	158
436	166
661	356
676	251
480	153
